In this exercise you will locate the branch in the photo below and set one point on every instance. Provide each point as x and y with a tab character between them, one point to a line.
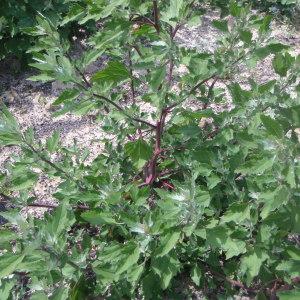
131	76
41	205
156	16
117	106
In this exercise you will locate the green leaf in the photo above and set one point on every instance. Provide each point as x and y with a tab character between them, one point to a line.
289	295
246	36
196	275
158	77
60	221
24	181
173	12
166	268
9	130
272	126
134	273
41	77
39	295
168	242
5	288
98	218
252	262
67	95
131	259
274	200
7	236
222	25
282	63
291	267
237	213
9	263
52	142
139	151
114	72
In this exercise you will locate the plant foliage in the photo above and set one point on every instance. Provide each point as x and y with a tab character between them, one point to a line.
181	191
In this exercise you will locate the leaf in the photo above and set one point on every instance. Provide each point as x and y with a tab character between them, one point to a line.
212	181
274	200
38	295
9	263
173	12
7	236
272	126
239	96
139	151
24	181
196	275
131	259
166	268
237	213
114	72
41	77
67	95
52	142
60	221
168	242
91	56
9	130
222	25
134	273
98	218
282	63
75	12
5	288
158	77
252	262
246	36
291	267
289	295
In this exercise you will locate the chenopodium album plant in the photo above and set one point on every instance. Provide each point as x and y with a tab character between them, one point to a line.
181	191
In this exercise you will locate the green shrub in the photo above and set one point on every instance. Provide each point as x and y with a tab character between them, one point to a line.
181	191
19	16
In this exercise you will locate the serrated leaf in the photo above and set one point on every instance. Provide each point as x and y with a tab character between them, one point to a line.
98	218
289	295
158	77
9	129
9	263
272	126
67	95
237	212
24	181
114	72
52	142
166	268
139	151
196	275
282	63
168	242
41	77
5	288
60	221
131	259
273	200
252	262
7	236
222	25
291	267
